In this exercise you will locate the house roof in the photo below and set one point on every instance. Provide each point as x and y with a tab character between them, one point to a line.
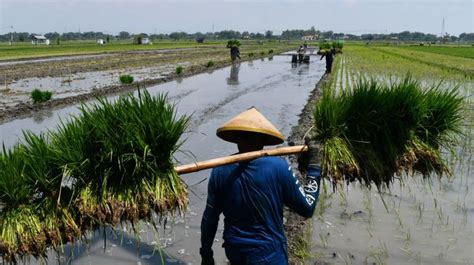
39	37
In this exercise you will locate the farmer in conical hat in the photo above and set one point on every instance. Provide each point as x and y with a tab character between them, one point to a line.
251	195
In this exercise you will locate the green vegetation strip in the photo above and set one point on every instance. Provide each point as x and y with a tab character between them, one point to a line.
449	63
23	51
461	51
111	165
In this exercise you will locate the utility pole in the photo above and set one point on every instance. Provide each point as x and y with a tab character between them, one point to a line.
11	35
442	29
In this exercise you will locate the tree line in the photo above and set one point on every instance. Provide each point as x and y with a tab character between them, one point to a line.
294	34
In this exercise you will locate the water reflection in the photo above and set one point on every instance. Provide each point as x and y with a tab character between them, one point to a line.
40	116
233	79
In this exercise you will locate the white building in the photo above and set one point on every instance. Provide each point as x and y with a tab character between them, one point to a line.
100	41
146	41
39	39
310	37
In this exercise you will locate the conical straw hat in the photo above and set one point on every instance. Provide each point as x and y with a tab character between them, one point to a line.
250	121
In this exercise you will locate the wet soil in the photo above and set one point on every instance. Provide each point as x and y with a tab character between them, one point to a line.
298	229
78	85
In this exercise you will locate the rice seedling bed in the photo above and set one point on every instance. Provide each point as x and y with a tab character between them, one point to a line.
375	62
422	220
449	63
459	51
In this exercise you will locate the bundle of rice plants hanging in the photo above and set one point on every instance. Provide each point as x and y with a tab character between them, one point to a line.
21	230
112	164
121	157
375	130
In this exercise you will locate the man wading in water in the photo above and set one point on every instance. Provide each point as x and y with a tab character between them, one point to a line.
251	195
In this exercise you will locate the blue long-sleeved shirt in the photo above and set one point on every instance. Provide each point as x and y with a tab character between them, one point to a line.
251	196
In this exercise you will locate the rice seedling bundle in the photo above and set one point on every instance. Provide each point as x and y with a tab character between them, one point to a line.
111	165
376	130
123	164
39	96
126	79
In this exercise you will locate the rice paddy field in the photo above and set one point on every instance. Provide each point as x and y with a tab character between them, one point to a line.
27	50
417	220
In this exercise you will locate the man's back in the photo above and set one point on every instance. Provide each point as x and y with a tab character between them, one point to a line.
251	196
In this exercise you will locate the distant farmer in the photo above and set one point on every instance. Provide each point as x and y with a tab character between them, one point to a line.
251	195
329	54
234	52
301	52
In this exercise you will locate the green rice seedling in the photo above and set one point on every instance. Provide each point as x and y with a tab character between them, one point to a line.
262	53
39	96
45	172
126	79
337	45
231	43
270	51
179	70
112	164
21	232
324	45
210	64
133	174
375	130
251	54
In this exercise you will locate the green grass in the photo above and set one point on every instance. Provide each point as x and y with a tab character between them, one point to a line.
179	70
210	64
126	79
40	96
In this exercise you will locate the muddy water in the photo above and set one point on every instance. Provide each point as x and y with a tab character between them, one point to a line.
77	84
278	89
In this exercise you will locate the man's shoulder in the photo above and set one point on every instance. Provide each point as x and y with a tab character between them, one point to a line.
273	160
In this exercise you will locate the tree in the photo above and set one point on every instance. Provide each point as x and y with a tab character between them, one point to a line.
268	34
123	35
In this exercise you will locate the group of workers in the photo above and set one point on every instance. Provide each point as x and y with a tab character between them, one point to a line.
328	54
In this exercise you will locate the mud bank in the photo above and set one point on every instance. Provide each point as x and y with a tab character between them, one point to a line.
298	229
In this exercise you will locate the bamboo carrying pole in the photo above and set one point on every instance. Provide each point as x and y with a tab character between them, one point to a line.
198	166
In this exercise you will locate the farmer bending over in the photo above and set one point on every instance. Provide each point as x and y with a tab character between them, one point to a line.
251	195
329	54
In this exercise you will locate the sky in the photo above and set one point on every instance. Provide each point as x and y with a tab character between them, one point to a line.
156	16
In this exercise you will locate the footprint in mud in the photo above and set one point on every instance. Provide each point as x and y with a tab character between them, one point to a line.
346	215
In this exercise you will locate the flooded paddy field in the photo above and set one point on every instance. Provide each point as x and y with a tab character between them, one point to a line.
275	86
416	221
76	78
